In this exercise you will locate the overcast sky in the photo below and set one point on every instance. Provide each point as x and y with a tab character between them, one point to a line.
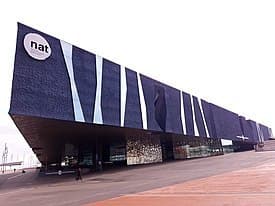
221	51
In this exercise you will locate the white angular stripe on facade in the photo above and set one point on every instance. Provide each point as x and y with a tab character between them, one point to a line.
97	109
67	50
182	112
123	94
142	103
270	133
194	119
260	133
203	118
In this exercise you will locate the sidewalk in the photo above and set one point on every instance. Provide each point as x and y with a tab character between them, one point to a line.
246	187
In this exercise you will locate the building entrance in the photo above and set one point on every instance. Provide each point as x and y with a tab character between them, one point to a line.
167	148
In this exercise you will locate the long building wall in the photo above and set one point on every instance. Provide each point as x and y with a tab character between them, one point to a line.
76	85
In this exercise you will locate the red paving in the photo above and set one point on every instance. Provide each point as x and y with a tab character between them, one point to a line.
251	186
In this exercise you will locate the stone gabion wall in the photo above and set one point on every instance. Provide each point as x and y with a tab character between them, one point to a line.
143	150
187	147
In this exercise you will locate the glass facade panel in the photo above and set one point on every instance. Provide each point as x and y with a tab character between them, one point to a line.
117	152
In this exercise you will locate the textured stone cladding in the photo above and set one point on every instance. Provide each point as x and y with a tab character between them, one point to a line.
143	150
187	148
40	88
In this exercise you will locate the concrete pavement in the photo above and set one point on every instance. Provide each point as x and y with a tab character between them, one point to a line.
245	187
178	177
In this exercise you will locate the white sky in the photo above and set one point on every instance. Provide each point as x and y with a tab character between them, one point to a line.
222	51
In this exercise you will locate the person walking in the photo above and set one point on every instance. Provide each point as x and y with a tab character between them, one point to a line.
78	174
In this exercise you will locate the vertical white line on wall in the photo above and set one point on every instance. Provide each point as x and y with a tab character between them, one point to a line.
182	114
203	118
67	53
259	131
97	110
123	94
142	103
270	133
194	119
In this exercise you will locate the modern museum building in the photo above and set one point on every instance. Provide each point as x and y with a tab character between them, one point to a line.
76	107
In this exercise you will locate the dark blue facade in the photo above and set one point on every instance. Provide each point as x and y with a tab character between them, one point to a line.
44	88
227	123
85	76
208	114
40	88
246	129
199	118
133	118
110	101
188	111
173	117
265	132
150	96
254	131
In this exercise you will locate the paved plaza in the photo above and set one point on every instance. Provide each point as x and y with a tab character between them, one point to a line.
245	187
246	178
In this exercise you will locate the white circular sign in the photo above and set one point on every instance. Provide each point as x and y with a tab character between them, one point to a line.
37	46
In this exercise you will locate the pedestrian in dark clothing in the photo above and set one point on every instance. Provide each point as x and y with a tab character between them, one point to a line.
78	174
